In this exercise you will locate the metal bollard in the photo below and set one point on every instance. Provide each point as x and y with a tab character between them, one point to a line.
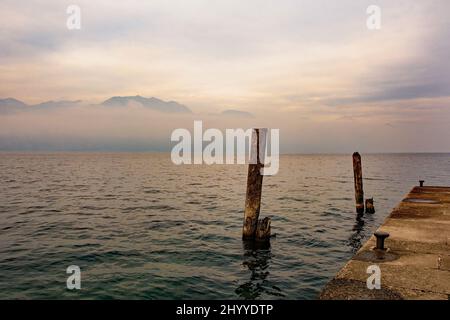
381	236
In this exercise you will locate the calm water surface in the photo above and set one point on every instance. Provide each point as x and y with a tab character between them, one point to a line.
140	227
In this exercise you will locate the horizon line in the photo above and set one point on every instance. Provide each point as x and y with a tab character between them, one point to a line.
168	152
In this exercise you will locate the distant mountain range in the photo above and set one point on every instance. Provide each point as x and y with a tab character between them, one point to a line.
11	105
237	113
56	104
151	103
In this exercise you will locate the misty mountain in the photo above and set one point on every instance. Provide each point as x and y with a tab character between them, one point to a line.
151	103
237	113
10	105
55	104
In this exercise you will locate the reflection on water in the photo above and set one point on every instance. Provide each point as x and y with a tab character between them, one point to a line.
361	233
256	258
355	240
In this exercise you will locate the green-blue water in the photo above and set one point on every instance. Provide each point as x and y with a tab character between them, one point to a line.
140	227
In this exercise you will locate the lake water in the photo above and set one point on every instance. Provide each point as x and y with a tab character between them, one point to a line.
140	227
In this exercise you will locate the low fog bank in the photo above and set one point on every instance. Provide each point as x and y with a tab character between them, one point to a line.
81	127
102	128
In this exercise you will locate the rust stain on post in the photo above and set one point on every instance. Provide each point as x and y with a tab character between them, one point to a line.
357	173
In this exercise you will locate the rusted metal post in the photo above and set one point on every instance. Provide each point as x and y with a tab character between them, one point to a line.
254	185
370	208
357	173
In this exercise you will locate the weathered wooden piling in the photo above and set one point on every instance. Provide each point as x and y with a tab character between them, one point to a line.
359	192
370	208
254	188
263	230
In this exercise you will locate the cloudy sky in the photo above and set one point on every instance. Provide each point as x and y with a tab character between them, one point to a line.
311	68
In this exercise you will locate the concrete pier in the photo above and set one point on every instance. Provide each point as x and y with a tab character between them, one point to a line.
416	264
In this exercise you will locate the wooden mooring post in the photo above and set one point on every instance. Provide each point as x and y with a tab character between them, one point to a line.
370	208
253	228
359	192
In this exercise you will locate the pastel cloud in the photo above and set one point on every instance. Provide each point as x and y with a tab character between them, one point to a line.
291	63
